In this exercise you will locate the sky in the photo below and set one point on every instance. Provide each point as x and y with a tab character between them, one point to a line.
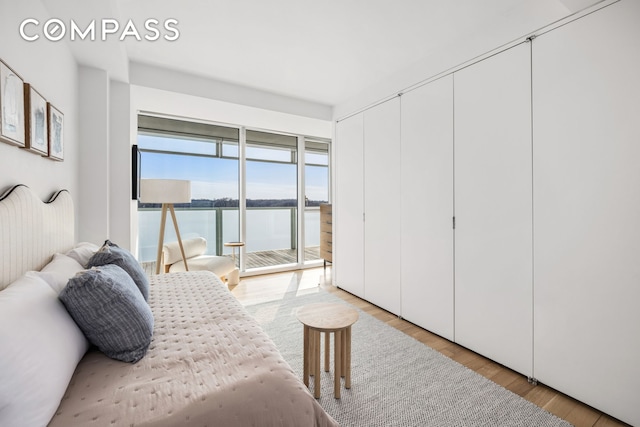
214	178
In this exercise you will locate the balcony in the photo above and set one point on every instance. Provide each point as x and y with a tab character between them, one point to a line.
271	233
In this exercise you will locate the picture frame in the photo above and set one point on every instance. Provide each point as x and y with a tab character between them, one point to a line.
35	112
55	124
12	119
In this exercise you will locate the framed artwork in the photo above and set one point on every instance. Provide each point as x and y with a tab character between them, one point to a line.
56	132
12	120
35	111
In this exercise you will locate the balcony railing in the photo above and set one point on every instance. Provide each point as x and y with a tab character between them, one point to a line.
267	228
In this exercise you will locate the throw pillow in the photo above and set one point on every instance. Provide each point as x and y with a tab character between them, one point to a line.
107	306
110	253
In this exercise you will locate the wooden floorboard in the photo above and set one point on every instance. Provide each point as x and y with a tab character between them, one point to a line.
278	285
261	259
279	257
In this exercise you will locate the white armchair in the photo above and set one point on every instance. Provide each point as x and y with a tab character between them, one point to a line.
194	250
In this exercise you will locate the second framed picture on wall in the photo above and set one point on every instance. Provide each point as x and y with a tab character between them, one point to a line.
35	108
56	132
12	130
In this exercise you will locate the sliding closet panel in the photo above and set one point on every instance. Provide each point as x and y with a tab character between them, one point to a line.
382	205
426	229
587	209
348	206
493	208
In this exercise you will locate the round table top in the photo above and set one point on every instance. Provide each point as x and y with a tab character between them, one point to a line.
234	244
327	317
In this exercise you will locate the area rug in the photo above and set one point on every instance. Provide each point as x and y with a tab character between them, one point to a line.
396	380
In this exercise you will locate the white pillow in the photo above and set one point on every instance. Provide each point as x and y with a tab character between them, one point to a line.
60	269
41	346
82	252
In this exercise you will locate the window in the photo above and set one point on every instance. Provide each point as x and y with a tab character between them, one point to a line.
273	216
206	155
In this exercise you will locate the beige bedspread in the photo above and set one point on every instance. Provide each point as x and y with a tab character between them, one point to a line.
209	364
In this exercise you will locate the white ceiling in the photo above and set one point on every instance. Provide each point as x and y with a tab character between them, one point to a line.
324	51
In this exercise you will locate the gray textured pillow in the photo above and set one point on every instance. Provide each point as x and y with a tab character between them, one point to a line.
107	306
110	253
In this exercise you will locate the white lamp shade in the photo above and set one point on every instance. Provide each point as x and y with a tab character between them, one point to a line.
165	191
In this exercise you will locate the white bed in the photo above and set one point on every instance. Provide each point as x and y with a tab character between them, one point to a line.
209	362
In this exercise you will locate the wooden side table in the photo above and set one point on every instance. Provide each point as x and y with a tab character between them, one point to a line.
327	318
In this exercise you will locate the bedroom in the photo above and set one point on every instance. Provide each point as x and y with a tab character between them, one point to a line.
103	96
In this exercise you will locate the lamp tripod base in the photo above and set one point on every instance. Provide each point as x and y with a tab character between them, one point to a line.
163	220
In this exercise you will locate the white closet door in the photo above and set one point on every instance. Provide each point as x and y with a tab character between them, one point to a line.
382	205
348	206
427	206
587	209
493	208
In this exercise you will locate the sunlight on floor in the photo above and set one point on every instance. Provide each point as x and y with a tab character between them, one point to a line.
272	287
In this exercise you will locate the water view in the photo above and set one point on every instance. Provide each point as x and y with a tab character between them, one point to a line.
267	229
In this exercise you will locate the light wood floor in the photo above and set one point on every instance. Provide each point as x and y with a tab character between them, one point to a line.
261	258
256	289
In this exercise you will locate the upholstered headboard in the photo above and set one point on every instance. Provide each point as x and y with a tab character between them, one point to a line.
31	231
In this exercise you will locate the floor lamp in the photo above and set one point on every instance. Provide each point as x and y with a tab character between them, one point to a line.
167	192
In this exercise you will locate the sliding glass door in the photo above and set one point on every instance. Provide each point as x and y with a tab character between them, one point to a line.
316	191
271	171
261	188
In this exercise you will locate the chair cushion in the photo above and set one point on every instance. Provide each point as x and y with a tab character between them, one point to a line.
219	265
192	248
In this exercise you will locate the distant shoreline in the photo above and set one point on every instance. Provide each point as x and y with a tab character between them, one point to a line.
234	203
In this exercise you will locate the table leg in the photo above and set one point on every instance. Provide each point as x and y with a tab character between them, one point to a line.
327	346
305	352
312	352
347	380
316	379
337	363
343	356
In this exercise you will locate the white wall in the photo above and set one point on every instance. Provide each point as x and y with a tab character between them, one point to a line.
185	105
121	207
190	84
52	70
93	222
